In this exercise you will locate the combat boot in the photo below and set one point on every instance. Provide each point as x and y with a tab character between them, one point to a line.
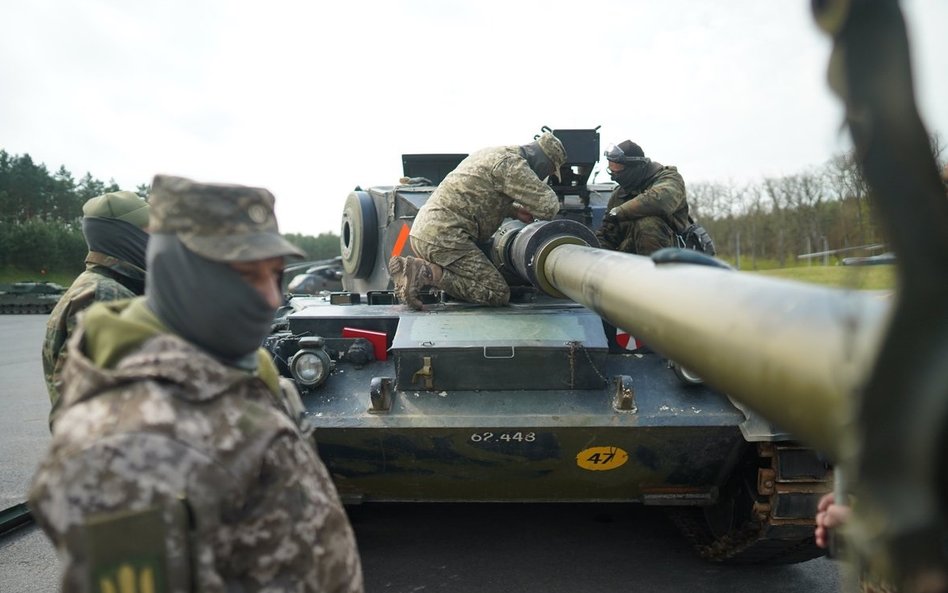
410	275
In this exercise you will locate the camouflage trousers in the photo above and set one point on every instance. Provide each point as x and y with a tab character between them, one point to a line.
468	274
641	236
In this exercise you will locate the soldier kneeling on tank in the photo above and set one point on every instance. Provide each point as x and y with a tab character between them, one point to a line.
467	208
648	209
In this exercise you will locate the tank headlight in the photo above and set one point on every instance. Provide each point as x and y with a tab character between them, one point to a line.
310	367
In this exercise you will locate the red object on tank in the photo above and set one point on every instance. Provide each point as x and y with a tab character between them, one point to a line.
379	340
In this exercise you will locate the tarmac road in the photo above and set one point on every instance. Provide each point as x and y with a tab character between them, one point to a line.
417	548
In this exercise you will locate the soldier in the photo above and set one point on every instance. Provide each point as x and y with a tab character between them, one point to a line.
648	209
467	208
179	461
114	225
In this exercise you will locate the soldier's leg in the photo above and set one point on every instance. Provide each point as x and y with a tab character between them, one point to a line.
474	278
411	275
626	237
650	234
468	274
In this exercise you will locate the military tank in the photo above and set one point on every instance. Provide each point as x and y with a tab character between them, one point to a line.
314	277
29	297
528	403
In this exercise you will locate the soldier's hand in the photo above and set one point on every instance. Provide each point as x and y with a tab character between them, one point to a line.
829	516
610	224
608	233
523	215
611	217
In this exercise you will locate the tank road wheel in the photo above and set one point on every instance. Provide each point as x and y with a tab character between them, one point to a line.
359	236
765	513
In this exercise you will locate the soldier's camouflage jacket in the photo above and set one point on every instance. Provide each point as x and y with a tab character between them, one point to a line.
664	197
472	201
151	426
105	279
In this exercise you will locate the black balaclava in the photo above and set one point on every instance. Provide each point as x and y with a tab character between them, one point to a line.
537	159
636	175
206	302
117	238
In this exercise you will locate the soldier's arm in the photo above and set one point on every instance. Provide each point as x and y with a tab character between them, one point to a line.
522	185
665	197
296	530
61	324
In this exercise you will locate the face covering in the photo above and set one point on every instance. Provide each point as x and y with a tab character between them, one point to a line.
206	302
116	238
635	175
537	159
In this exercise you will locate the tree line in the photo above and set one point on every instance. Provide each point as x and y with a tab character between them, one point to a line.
761	224
41	213
774	221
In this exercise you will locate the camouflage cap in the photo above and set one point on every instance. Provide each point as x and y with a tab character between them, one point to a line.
222	222
120	205
554	151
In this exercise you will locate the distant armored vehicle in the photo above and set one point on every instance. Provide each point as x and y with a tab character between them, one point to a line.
319	277
29	297
528	402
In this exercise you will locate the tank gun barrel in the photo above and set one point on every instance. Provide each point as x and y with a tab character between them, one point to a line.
792	351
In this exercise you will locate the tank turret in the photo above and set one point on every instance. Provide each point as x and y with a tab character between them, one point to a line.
376	221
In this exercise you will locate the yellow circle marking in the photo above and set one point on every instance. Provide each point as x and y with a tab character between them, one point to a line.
599	459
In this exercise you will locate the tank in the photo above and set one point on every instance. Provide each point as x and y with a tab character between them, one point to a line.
317	277
29	297
529	403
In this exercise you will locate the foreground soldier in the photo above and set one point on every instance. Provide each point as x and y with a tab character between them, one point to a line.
648	209
177	462
114	227
466	209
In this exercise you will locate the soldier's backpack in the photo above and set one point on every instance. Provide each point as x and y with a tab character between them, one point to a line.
696	237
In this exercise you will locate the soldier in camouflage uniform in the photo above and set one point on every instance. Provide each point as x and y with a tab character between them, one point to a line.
648	209
180	460
114	227
466	209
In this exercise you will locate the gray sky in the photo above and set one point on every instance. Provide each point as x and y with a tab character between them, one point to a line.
310	99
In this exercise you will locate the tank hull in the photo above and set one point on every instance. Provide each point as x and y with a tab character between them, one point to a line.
677	447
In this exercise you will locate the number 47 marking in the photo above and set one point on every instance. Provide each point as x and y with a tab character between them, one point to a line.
598	458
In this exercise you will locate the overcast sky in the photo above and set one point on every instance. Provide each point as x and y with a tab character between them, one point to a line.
310	99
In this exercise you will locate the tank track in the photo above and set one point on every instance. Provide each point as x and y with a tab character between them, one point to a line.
764	516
